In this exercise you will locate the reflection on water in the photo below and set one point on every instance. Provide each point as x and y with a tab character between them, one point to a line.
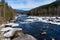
37	28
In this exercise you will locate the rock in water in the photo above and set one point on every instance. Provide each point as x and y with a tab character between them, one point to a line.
22	36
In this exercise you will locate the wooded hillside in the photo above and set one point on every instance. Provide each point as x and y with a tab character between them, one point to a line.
52	9
6	12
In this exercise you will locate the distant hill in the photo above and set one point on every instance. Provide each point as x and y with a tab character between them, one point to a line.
52	9
21	11
17	10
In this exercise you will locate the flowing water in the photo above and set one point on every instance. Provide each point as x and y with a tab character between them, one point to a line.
37	28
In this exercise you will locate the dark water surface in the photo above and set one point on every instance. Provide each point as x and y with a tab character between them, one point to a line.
36	28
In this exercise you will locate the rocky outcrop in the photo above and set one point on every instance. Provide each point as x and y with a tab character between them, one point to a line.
22	36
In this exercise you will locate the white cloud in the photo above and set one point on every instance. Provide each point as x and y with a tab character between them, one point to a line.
27	4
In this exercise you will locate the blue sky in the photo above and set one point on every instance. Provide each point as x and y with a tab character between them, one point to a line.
27	4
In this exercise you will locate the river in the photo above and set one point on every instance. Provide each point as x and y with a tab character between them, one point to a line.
37	28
